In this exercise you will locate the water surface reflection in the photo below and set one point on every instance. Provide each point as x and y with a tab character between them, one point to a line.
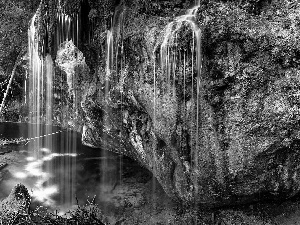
59	171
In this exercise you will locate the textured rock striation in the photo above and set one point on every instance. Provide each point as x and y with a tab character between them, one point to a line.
227	135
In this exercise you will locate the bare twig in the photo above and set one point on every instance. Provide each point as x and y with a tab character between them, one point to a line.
10	81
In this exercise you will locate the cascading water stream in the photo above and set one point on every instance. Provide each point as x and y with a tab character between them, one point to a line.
63	28
110	54
114	65
68	28
40	101
169	54
41	163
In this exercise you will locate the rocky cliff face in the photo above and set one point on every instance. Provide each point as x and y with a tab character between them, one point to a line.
227	135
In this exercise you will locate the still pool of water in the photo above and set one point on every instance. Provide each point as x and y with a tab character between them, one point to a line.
59	171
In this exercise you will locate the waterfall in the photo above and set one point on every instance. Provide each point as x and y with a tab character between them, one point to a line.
67	33
40	165
114	65
63	28
170	57
110	54
40	102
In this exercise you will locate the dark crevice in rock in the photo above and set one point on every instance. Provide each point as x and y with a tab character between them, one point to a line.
84	22
172	176
161	145
185	148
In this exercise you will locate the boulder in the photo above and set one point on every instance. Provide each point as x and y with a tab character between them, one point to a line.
17	203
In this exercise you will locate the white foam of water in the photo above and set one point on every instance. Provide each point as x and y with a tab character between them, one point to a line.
41	191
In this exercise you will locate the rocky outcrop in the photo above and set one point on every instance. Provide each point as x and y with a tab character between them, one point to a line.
229	135
17	203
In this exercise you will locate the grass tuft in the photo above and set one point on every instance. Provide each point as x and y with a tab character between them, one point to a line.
89	214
